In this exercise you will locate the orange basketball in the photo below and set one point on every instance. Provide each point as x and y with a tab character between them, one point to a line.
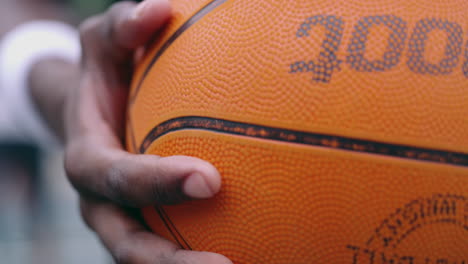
340	128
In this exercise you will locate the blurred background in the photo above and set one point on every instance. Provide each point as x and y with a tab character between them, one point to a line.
39	217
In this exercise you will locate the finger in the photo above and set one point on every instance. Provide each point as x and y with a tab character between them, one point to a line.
129	242
134	27
121	30
138	180
109	42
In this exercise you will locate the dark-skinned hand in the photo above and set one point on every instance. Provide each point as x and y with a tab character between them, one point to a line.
113	183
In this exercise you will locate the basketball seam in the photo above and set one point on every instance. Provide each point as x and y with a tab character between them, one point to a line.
191	21
170	226
304	138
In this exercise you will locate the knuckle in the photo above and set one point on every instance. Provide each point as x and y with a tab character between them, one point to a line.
163	188
166	189
71	166
117	181
114	177
138	183
168	194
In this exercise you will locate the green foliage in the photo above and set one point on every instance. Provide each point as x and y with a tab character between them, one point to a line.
87	8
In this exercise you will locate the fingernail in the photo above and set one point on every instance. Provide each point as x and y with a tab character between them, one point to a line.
195	186
139	10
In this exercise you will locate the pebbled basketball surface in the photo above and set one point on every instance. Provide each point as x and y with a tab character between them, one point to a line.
340	128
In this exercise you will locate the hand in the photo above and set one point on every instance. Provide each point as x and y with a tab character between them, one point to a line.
110	180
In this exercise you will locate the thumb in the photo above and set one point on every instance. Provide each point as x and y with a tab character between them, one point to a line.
139	180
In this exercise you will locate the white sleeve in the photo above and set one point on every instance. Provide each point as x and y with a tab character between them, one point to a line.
20	49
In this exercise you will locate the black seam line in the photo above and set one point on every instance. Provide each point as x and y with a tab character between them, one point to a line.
194	19
184	243
164	219
304	138
171	228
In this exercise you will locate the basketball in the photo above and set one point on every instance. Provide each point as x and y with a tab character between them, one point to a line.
340	128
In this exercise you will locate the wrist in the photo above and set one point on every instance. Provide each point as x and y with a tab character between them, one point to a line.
49	81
